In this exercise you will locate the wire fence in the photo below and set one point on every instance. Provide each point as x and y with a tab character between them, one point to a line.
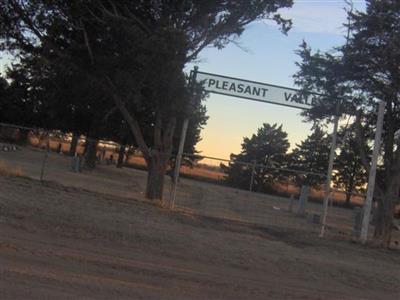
204	186
284	202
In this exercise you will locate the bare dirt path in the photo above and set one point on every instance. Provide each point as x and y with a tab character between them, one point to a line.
58	242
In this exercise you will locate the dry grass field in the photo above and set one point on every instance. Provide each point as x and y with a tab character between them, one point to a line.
92	236
7	169
206	169
193	196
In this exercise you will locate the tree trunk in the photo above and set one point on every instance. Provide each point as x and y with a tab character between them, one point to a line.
156	160
350	187
23	137
90	154
157	167
121	155
383	228
74	144
348	197
385	212
172	169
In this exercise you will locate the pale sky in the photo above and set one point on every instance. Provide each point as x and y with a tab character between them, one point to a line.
269	58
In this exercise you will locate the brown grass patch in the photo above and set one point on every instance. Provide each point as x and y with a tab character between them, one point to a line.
203	172
7	169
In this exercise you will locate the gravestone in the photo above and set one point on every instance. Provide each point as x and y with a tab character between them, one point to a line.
7	147
303	200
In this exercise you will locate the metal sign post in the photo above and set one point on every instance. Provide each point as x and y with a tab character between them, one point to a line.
372	174
178	160
178	163
329	174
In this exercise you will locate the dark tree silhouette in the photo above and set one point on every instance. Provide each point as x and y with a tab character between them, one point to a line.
311	155
361	73
267	147
136	51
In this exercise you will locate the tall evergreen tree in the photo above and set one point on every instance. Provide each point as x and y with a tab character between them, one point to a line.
267	147
350	174
311	155
364	72
136	50
3	93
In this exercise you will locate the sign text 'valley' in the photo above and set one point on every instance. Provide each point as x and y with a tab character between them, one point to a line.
255	91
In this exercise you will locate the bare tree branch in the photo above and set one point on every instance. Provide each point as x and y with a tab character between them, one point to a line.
129	117
87	44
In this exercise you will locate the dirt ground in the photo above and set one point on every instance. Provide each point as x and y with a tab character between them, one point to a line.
91	236
68	243
193	196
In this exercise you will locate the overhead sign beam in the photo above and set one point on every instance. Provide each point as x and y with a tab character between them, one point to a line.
256	91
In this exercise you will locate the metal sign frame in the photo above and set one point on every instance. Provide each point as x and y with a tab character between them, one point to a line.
193	77
257	91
